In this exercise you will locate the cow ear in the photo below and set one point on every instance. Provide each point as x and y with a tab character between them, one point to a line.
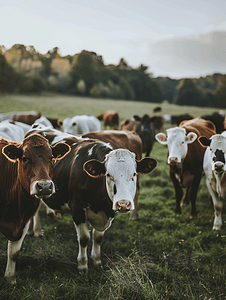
146	165
204	141
59	123
12	152
190	137
60	150
161	138
137	118
94	168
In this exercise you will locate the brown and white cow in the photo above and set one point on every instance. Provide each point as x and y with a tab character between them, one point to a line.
94	181
25	178
110	118
27	117
125	140
214	166
185	158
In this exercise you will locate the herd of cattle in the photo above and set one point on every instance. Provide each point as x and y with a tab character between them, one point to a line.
73	165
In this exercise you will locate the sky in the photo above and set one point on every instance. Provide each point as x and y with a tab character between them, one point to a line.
174	38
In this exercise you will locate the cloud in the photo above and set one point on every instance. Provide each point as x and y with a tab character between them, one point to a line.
203	53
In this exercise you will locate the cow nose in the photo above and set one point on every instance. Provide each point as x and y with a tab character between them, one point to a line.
173	160
123	205
44	187
218	167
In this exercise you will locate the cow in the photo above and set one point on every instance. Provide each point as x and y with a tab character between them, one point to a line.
110	118
177	119
81	124
27	118
25	178
122	139
145	128
217	119
11	131
94	181
214	166
157	109
185	158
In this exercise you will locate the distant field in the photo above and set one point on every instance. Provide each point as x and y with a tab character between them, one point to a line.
161	256
62	106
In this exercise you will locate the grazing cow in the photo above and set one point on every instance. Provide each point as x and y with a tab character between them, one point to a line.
145	128
214	166
81	124
157	109
25	178
94	181
110	118
27	118
177	119
125	140
185	158
217	119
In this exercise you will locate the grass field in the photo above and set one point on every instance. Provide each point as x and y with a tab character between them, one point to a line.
159	256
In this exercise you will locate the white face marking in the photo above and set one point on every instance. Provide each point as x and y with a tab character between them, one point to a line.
121	177
90	151
178	141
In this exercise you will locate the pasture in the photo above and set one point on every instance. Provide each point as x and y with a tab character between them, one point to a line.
159	256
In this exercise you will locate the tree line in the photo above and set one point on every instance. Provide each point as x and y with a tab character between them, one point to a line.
24	70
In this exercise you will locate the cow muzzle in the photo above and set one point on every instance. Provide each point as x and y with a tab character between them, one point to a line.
43	189
219	167
123	206
173	160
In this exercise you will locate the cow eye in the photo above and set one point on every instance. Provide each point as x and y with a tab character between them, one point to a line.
115	190
109	176
24	159
210	149
132	178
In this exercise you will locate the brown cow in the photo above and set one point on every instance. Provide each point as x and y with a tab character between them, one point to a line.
25	178
110	118
126	140
185	158
27	118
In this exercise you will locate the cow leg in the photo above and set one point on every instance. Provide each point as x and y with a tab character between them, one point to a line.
35	225
186	198
12	255
83	237
96	247
178	192
193	195
218	206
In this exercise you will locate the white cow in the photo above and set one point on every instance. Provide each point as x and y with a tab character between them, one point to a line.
44	121
11	131
81	124
215	170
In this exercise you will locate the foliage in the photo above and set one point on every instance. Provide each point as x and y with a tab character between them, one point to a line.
221	91
159	256
9	79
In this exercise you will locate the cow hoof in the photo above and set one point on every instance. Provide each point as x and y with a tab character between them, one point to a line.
83	272
193	216
98	267
216	228
11	281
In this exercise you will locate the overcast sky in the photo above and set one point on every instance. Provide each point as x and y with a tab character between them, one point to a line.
174	38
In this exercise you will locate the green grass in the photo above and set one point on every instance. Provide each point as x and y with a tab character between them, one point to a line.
159	256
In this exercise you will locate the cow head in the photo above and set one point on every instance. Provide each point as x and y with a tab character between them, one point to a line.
217	149
35	158
120	169
177	141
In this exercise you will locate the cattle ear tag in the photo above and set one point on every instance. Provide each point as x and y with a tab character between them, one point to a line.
94	168
12	152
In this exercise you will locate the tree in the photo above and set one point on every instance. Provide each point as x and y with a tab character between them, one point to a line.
221	91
